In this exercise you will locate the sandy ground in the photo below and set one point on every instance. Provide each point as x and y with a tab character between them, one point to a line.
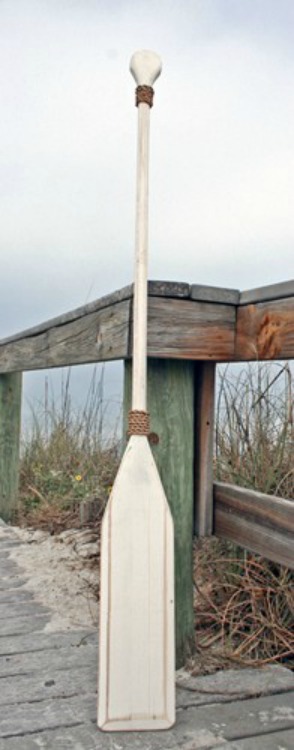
62	571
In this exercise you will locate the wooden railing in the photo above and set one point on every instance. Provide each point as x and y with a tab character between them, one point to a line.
190	329
261	523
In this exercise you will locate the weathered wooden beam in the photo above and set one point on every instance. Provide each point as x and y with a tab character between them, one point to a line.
95	337
10	414
177	328
261	523
155	289
184	322
204	433
265	330
186	329
170	397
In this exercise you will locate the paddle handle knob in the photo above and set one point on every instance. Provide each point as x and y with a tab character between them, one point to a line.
145	67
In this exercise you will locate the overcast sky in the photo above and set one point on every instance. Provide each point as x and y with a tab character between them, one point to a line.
222	147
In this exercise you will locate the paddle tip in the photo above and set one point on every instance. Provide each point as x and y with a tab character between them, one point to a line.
145	67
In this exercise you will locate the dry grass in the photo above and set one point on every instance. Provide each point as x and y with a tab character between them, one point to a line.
244	605
254	445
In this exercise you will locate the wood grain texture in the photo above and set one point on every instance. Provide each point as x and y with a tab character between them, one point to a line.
41	710
204	433
10	415
96	337
170	398
136	636
265	330
179	327
261	523
184	329
266	293
155	289
283	740
100	304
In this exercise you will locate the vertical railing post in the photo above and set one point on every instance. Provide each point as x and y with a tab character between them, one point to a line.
170	398
204	432
10	415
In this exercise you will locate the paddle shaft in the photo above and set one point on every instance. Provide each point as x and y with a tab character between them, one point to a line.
141	263
145	67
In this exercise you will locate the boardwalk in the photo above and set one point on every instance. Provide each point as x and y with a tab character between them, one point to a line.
48	690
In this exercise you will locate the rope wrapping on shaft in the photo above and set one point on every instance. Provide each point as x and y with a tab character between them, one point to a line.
139	423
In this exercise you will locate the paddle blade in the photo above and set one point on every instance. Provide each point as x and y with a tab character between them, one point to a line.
136	647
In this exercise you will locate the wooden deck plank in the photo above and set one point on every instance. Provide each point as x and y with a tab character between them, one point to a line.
61	658
20	625
238	720
26	718
87	737
12	610
252	717
274	741
40	641
48	684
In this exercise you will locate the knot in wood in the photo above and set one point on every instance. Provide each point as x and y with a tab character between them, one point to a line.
144	94
139	423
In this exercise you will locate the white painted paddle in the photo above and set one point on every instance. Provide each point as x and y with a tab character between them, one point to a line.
136	648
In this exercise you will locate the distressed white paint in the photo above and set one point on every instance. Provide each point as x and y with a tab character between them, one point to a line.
137	643
136	678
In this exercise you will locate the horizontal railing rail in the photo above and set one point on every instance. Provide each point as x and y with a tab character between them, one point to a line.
261	523
184	322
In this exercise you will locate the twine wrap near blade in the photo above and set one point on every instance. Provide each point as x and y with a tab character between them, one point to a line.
138	423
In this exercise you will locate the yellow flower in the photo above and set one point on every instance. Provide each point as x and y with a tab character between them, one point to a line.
78	478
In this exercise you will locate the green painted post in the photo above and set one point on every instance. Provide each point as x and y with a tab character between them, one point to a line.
10	412
170	399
